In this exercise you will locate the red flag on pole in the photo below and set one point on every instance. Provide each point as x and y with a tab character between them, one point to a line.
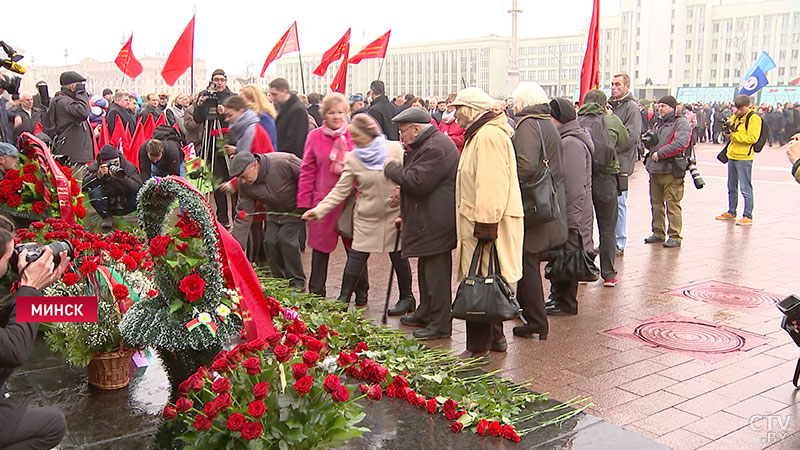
339	83
181	56
288	43
128	63
132	153
148	127
334	53
120	134
590	70
376	49
104	138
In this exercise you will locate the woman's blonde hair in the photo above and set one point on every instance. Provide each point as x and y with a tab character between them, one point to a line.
332	100
257	101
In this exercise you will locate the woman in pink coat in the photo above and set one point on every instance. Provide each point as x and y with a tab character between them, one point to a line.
323	161
449	127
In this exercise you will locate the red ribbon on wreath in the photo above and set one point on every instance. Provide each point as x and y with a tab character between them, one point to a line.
31	144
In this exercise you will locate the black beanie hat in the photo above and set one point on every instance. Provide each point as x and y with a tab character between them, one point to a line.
669	100
107	152
562	110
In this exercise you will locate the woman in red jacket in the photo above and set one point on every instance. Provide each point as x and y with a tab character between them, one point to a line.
449	127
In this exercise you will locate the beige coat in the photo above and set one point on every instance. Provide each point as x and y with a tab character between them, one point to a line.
374	230
487	191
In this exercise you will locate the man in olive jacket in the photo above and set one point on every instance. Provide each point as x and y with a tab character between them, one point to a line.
427	181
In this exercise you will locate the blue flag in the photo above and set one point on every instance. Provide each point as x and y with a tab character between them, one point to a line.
756	77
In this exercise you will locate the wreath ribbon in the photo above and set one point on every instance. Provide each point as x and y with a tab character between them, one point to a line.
196	322
32	144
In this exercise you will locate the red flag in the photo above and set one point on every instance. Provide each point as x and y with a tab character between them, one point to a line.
796	81
181	56
132	153
37	128
376	49
288	43
121	137
590	70
334	53
339	83
162	120
148	127
104	138
128	63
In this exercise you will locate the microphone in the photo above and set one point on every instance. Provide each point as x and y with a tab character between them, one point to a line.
12	62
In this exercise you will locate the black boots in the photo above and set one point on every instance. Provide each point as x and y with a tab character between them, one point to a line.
406	304
348	286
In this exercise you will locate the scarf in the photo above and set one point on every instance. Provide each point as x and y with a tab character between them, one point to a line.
339	148
374	154
480	121
449	117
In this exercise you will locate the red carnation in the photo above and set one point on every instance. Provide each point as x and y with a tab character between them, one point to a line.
256	409
29	178
83	246
121	292
483	426
74	188
38	187
88	267
223	401
130	263
303	385
116	254
170	412
202	423
183	404
375	392
193	286
299	370
236	421
39	207
331	383
13	200
361	347
158	245
30	168
38	225
221	385
341	394
70	278
432	405
310	357
281	353
253	365
495	429
456	427
80	211
260	390
12	174
252	430
510	434
210	410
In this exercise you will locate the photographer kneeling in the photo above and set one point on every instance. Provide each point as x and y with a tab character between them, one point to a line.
112	183
22	427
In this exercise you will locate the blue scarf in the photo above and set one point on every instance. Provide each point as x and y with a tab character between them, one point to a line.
373	155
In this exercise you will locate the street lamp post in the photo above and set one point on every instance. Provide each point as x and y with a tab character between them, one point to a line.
558	58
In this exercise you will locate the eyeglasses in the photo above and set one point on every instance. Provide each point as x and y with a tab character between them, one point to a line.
218	79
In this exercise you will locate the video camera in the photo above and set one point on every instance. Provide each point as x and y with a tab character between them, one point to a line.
35	252
790	307
11	83
211	102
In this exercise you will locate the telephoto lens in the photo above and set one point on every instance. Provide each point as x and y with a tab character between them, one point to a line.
696	177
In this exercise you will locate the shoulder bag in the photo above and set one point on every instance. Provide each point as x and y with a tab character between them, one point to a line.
485	299
567	264
539	199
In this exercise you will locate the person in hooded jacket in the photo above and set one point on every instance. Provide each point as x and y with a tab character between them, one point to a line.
576	160
449	127
246	134
112	184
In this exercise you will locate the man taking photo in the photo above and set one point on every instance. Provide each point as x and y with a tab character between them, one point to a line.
112	183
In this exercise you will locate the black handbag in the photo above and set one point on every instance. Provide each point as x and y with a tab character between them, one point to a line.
722	156
485	299
567	264
539	198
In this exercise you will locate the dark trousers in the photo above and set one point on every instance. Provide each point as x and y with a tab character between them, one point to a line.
319	275
480	335
357	266
221	198
39	429
435	291
530	293
775	136
604	197
282	243
565	294
106	207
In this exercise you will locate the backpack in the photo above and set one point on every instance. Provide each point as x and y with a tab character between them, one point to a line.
604	157
762	138
168	133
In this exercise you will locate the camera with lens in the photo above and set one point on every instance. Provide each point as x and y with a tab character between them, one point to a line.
650	139
116	171
727	127
35	252
211	101
696	177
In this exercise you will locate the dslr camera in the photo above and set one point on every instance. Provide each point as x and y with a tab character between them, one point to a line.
650	139
116	171
35	252
727	128
696	177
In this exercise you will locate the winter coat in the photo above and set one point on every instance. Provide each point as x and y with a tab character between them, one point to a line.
194	129
117	189
149	110
16	345
576	150
247	135
745	135
314	111
775	120
69	114
437	116
126	118
175	115
292	126
382	110
29	121
615	131
315	181
427	182
627	109
169	164
6	120
268	124
528	148
454	132
674	137
487	191
374	229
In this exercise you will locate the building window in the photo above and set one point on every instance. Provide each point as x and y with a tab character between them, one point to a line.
715	27
727	73
688	27
714	58
688	44
727	57
782	55
713	73
781	71
794	54
688	58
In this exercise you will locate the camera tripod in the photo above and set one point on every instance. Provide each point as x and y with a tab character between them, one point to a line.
208	153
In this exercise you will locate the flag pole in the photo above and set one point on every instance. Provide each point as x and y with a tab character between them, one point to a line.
191	68
381	68
302	77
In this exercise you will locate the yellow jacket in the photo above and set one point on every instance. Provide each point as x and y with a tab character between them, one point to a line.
742	140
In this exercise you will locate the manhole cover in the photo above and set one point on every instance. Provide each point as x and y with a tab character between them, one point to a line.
689	336
727	295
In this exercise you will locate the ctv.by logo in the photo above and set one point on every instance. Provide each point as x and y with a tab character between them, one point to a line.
776	427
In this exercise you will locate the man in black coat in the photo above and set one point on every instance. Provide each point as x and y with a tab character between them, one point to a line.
161	155
313	108
112	183
20	426
427	182
120	108
68	122
382	110
26	115
291	125
206	104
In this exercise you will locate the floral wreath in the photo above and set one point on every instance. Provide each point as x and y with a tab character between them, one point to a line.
197	312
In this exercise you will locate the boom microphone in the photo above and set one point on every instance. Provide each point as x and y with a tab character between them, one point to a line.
12	62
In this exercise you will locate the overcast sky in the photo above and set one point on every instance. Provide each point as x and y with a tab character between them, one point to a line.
233	34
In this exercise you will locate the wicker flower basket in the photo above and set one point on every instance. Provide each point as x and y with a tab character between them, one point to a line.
109	371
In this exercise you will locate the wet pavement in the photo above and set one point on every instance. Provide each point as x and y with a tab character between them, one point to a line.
644	396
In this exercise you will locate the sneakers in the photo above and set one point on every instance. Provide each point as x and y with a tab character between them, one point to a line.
652	239
726	216
611	282
672	243
744	222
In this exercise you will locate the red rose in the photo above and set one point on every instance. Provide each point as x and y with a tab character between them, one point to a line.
401	381
449	405
303	385
39	207
274	338
256	409
30	168
210	410
223	401
253	365
495	429
343	359
322	332
121	292
170	412
260	390
70	278
38	225
483	426
363	388
66	171
202	423
432	405
152	293
451	414
291	340
299	370
314	345
509	433
219	365
354	372
242	214
158	245
341	394
252	430
456	427
224	130
193	286
361	347
310	357
375	392
281	353
183	404
215	132
221	385
236	421
181	246
331	383
391	391
257	344
195	383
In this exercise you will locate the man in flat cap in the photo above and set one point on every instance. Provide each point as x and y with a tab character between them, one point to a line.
68	123
9	158
427	197
112	184
271	180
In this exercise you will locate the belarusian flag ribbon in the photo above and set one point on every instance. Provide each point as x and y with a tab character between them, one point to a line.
108	278
223	312
202	319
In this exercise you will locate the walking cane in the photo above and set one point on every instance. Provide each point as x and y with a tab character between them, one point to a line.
391	276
